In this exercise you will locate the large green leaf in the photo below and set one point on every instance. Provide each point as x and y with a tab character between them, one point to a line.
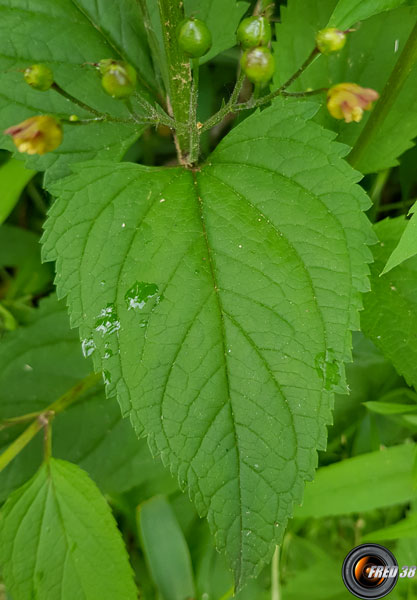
58	540
37	364
226	296
368	58
65	34
349	12
390	315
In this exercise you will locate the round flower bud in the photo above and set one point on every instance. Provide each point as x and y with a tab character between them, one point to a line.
118	78
39	77
194	38
37	135
330	40
254	31
258	65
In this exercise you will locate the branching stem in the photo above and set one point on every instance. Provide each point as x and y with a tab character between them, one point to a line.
232	106
154	115
43	418
227	108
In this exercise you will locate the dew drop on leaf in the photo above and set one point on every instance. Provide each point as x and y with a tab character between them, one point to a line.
88	346
139	294
106	377
108	353
107	321
329	368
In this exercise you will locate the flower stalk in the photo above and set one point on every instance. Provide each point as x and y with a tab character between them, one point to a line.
233	107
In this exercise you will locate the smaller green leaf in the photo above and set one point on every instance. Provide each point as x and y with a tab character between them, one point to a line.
389	317
390	408
406	528
166	549
349	12
407	246
360	483
59	541
13	179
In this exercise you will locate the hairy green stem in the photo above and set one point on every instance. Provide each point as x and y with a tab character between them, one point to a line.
152	116
44	416
179	74
192	123
281	90
75	100
308	61
156	114
228	107
233	107
304	94
396	81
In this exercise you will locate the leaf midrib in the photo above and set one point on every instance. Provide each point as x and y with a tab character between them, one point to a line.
212	266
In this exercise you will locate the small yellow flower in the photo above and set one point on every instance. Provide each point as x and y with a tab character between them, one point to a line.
37	135
348	101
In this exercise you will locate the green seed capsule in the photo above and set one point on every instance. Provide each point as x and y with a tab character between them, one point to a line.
254	31
330	40
39	77
118	78
258	65
194	38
